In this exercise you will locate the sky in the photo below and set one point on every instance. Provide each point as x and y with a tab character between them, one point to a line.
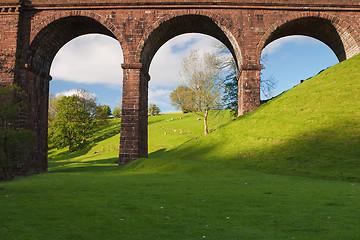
93	62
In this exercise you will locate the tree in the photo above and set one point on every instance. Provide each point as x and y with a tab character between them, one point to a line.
52	111
16	144
117	112
72	124
87	100
231	82
102	112
153	110
183	99
266	84
202	74
231	88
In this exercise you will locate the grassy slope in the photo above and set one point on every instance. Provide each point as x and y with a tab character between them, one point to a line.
193	187
166	132
312	130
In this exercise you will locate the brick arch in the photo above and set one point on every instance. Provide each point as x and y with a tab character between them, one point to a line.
53	32
331	30
173	25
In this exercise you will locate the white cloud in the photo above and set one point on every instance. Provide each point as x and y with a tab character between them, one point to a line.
166	64
279	43
97	58
74	92
158	95
89	59
161	98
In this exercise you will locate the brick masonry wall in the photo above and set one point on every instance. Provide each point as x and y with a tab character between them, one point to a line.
9	15
36	30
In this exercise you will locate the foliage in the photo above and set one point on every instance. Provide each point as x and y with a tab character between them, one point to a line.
11	136
231	88
73	122
117	112
52	111
87	100
183	99
2	61
201	74
228	64
4	67
67	129
153	110
102	112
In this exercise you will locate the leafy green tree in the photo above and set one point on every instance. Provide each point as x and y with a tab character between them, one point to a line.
117	112
73	122
86	101
183	99
202	74
16	144
153	110
102	112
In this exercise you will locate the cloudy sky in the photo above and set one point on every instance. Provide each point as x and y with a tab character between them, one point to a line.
93	62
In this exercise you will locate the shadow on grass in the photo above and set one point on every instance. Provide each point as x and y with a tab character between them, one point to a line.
84	148
330	153
153	120
157	153
100	165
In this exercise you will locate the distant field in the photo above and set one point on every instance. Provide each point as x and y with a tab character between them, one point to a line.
289	170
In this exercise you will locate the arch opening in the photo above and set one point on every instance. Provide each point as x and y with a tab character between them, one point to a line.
36	75
55	35
182	25
315	27
90	62
291	60
156	37
166	65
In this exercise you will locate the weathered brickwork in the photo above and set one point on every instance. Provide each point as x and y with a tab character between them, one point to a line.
32	32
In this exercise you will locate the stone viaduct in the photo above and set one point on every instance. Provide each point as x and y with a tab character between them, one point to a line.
32	32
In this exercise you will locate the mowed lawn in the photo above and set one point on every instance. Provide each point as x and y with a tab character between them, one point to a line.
115	204
289	170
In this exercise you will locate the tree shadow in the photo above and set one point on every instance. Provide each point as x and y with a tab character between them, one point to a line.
331	152
153	120
157	153
98	165
85	147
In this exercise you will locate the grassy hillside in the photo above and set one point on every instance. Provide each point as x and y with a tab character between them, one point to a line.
289	170
166	132
311	130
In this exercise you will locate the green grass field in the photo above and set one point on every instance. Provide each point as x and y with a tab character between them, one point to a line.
289	170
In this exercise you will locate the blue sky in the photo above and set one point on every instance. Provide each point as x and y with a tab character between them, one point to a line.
93	62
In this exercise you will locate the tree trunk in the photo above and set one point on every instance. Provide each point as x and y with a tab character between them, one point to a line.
205	122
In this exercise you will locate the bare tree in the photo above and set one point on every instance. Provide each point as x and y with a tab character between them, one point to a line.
201	73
